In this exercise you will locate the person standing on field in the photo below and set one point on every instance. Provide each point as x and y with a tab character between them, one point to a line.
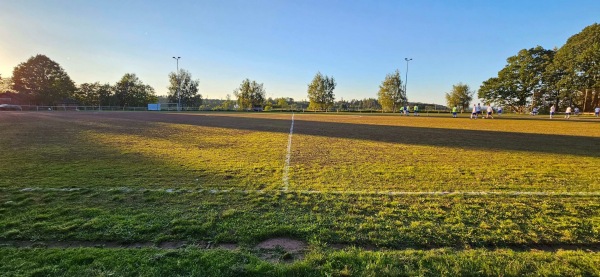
478	109
489	112
552	111
597	111
568	112
499	111
474	112
416	109
454	110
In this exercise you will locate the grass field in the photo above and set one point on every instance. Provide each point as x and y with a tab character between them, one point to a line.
136	193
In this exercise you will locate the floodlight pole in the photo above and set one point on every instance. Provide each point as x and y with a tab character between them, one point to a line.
177	78
406	78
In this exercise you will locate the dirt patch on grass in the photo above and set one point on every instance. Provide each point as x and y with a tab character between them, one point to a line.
287	244
227	246
285	250
171	244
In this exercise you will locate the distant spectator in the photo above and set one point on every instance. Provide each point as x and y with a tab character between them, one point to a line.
576	111
568	113
499	111
552	111
597	111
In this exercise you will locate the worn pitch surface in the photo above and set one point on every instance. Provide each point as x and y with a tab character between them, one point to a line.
375	181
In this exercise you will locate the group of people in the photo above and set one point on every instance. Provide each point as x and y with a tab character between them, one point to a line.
575	111
406	110
477	111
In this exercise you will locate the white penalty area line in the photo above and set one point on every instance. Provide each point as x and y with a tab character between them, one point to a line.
288	156
392	193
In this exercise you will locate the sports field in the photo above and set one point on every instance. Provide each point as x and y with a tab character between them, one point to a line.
229	194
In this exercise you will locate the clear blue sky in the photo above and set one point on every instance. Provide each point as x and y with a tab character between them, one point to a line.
284	43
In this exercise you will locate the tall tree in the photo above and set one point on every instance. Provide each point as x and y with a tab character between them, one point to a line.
320	92
43	80
553	92
579	61
460	96
519	83
250	94
94	94
188	89
391	93
131	91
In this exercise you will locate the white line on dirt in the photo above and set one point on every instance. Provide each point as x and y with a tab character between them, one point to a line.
288	156
171	190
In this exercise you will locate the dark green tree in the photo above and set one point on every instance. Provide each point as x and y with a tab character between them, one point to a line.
130	91
320	92
250	94
42	80
94	94
519	83
188	89
391	94
578	66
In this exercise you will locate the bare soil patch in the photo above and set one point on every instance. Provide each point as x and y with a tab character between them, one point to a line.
227	246
287	244
285	250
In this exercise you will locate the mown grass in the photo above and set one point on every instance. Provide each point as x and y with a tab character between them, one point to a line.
97	152
351	262
365	220
356	153
445	154
149	177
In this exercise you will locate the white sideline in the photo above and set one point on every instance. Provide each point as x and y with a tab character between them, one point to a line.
127	189
288	156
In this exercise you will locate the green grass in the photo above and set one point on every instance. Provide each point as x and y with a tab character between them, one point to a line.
351	262
356	153
247	218
217	178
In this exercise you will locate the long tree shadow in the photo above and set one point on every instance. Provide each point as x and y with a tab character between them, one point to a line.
444	137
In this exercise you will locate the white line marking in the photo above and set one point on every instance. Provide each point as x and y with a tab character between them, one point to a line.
288	156
214	191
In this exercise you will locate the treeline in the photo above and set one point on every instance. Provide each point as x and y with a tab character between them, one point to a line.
565	77
290	104
42	81
391	97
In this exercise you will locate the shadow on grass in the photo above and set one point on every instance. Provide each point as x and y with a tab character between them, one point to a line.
443	137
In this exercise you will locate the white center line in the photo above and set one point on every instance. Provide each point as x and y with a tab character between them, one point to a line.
288	156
